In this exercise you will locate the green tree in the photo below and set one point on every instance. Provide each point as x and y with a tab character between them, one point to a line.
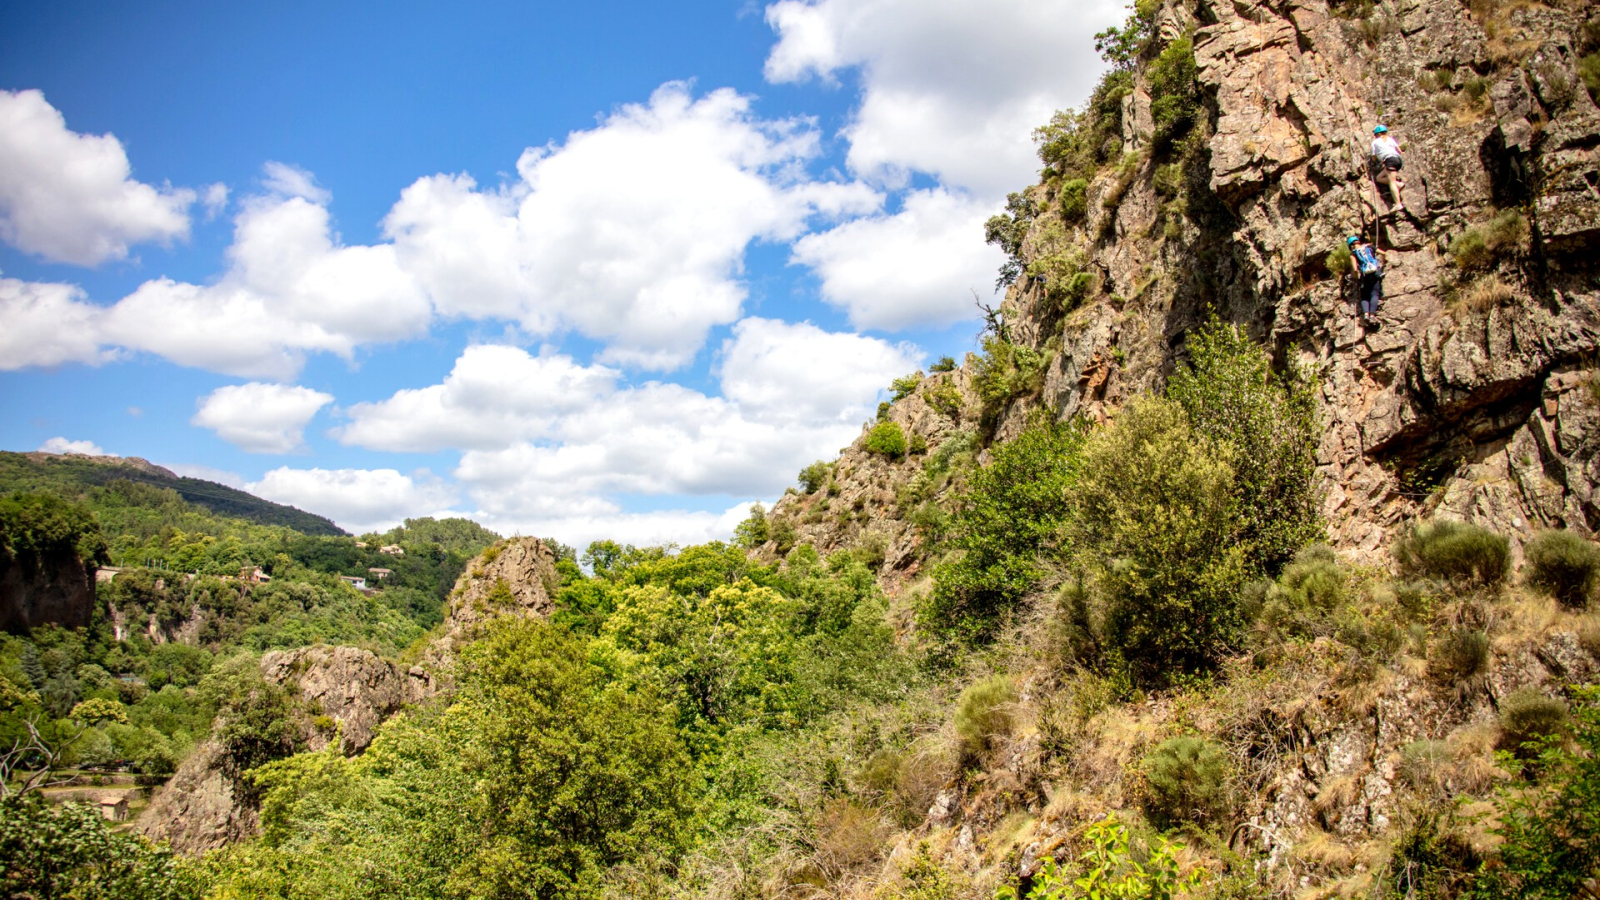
1156	525
43	529
754	530
1109	870
1010	513
1550	835
69	850
576	771
1269	421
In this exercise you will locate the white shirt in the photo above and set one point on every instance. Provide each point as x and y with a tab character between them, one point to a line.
1385	147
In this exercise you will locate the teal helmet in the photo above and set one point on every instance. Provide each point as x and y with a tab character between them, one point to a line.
1352	241
1381	129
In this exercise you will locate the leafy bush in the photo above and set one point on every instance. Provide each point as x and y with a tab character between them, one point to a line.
1457	655
1458	552
1109	869
1009	512
814	476
1527	718
985	712
1305	596
1550	839
1059	266
1338	260
1232	396
904	386
1563	565
1174	92
1156	521
1076	143
886	439
945	398
1007	370
1483	246
1187	778
69	850
923	878
1074	200
945	364
1431	859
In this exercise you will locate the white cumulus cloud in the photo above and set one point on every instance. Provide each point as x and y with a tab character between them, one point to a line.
778	370
291	289
261	418
358	500
949	87
633	233
47	324
918	266
70	197
549	440
494	396
62	445
953	90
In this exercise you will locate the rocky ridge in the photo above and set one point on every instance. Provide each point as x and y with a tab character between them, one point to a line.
1475	396
1476	399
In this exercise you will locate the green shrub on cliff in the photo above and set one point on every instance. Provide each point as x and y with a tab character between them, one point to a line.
1563	565
1461	553
1156	525
886	439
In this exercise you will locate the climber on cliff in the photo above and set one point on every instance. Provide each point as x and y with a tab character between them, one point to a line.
1386	164
1367	263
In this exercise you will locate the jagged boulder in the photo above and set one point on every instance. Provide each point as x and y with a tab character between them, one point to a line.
354	687
515	575
198	810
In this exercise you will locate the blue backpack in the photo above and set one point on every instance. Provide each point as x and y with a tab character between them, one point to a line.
1367	261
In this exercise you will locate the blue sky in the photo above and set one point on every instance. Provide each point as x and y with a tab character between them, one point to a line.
614	269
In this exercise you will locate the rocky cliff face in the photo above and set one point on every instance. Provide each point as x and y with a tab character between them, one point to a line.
1476	394
355	688
57	591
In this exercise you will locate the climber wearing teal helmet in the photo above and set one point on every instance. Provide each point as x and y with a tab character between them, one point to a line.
1386	164
1366	262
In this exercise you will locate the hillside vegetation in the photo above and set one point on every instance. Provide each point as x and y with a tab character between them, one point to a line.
73	476
1188	584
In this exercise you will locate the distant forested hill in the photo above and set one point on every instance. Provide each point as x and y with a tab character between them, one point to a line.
73	476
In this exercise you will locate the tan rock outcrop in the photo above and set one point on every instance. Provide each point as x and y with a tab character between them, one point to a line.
356	688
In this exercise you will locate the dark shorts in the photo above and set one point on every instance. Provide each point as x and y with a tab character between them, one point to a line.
1393	164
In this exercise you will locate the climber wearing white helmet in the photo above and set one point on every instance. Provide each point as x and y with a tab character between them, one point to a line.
1386	164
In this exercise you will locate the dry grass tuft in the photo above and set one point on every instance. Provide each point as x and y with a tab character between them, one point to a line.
1589	633
1481	295
1339	793
1473	770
